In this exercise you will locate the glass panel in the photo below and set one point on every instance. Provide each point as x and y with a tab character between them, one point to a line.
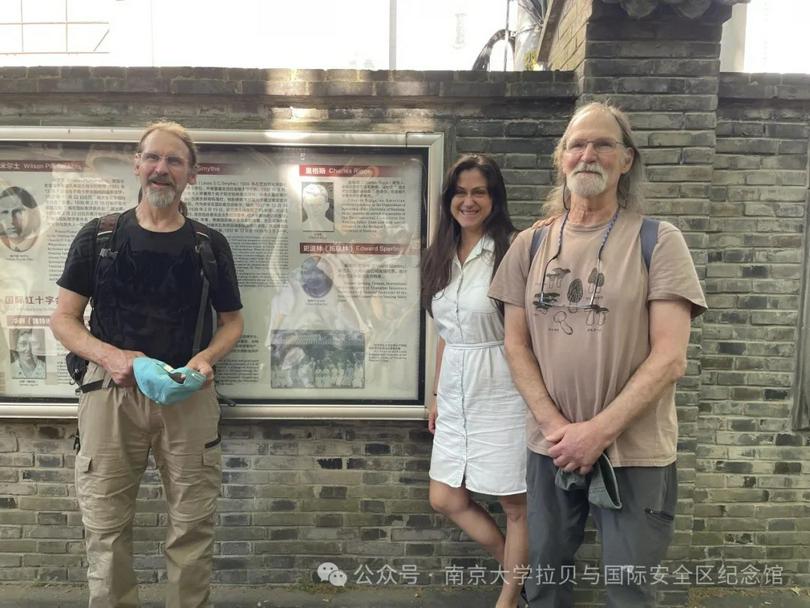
43	10
44	38
776	37
87	38
10	41
10	11
446	35
88	10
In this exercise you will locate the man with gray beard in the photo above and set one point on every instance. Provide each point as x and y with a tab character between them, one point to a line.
151	296
598	306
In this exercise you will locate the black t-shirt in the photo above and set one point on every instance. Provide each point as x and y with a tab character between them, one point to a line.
148	296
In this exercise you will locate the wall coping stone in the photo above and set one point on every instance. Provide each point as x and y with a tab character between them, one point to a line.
691	9
741	85
289	83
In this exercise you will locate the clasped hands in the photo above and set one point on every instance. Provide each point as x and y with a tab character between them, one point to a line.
577	445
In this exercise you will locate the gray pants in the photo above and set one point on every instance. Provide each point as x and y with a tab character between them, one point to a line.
636	535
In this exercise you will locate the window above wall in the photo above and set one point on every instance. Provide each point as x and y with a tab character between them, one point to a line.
767	36
40	29
316	34
762	36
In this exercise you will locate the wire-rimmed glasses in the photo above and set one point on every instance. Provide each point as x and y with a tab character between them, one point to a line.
603	146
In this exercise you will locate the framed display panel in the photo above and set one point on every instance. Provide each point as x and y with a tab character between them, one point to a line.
326	231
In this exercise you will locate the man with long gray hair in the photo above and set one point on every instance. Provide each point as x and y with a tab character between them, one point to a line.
598	307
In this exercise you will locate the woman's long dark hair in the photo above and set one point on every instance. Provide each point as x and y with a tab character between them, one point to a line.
438	258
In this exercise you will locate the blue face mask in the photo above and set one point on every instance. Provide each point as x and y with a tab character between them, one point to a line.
163	384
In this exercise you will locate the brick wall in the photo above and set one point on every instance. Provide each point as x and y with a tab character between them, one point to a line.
566	39
753	471
293	495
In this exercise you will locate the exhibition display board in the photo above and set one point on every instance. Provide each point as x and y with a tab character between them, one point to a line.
326	231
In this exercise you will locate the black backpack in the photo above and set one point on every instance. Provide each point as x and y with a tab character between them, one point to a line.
104	247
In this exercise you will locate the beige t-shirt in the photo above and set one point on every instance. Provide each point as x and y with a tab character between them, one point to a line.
586	356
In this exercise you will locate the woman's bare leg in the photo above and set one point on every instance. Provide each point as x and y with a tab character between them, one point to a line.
516	549
456	504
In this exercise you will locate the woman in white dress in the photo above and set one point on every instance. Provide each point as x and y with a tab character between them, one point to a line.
476	415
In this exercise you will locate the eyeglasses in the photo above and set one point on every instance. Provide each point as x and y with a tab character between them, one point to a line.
596	279
477	194
150	158
602	147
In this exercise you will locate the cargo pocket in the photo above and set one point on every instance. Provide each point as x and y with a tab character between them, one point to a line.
661	510
83	463
660	516
192	482
212	465
106	487
212	473
83	485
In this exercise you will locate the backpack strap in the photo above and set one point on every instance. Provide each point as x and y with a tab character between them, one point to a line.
103	244
209	272
107	225
210	276
203	247
537	239
102	247
198	327
648	233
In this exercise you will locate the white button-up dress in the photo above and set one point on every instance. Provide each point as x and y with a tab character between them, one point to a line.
480	438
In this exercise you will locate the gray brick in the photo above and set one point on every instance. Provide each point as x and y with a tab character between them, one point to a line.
521	129
16	459
640	49
234	519
7	532
343	89
48	475
49	460
49	560
693	173
484	89
51	519
521	161
53	532
52	489
51	574
407	89
278	88
481	129
472	144
18	574
8	443
375	449
15	489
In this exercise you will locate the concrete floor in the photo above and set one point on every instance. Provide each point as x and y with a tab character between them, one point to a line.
233	596
66	596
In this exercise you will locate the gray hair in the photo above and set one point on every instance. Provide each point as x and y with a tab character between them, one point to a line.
630	184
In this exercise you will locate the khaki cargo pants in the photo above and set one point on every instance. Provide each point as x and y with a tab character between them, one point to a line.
118	427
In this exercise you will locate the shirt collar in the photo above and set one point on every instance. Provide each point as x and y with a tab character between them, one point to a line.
485	243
